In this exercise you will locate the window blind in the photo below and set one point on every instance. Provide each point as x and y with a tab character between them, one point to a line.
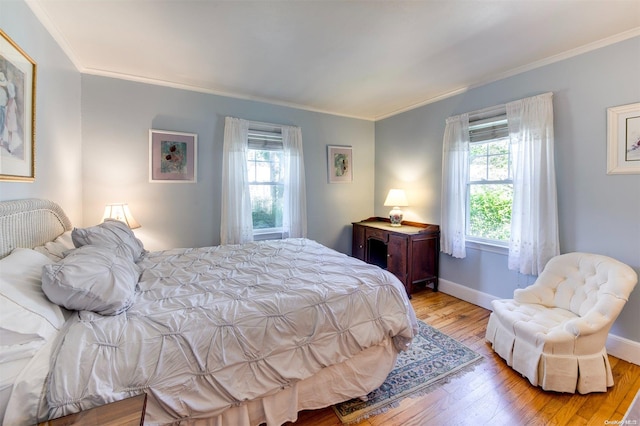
488	124
494	128
265	138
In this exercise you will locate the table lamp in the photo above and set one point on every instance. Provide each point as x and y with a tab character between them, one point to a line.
396	198
121	212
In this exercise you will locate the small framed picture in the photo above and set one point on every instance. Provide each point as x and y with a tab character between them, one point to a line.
339	164
17	113
173	157
623	139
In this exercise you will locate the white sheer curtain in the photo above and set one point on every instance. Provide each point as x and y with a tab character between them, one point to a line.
534	216
236	219
294	214
236	224
455	170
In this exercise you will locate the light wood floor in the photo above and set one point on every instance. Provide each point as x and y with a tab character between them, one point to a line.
492	394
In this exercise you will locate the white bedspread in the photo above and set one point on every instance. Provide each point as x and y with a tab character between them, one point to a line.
213	327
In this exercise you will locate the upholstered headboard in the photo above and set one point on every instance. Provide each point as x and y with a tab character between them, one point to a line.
29	223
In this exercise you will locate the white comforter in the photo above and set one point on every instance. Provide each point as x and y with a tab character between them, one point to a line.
213	327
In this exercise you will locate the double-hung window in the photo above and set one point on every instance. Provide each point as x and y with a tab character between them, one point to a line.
498	182
490	181
265	162
263	185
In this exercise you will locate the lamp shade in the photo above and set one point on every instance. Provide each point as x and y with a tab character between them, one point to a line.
121	212
396	198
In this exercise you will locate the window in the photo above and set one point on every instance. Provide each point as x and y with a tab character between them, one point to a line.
266	181
490	183
263	184
477	186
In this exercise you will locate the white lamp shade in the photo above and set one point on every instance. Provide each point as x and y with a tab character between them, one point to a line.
396	198
121	212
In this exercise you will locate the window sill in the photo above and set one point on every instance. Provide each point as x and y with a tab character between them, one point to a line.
268	234
474	244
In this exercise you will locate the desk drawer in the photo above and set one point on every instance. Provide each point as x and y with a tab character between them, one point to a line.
378	234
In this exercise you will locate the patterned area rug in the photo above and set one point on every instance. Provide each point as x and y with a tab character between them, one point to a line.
433	359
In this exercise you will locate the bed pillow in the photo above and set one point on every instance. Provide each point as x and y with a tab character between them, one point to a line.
26	310
55	250
113	234
92	278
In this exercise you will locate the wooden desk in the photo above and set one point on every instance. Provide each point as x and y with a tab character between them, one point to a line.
126	412
411	251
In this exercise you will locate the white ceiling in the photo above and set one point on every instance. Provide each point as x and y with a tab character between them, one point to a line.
366	59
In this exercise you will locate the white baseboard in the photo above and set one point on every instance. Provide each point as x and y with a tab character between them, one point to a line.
617	346
625	349
465	293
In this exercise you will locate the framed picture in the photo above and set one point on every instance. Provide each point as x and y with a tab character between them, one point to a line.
339	164
623	139
173	157
17	112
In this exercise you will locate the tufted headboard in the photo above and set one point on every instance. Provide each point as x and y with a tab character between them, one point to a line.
29	223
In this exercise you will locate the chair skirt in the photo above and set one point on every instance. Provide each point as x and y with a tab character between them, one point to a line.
552	371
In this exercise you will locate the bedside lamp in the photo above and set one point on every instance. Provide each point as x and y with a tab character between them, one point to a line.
121	212
397	199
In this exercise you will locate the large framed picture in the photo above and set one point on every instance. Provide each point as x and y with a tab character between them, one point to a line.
623	139
17	112
339	164
173	157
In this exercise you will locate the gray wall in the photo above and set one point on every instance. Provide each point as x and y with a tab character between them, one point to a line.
117	116
598	212
58	141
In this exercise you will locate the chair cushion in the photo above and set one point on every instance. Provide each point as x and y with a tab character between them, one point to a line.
538	325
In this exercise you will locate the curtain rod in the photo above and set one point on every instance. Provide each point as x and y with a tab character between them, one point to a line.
497	109
263	124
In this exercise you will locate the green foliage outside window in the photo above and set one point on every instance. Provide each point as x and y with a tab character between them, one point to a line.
490	211
266	209
266	188
490	190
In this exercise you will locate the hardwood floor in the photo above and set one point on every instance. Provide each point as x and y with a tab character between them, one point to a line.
492	394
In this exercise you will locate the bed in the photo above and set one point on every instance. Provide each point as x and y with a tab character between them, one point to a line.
225	335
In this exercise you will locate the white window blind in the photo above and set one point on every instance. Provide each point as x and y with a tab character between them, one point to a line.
264	137
488	124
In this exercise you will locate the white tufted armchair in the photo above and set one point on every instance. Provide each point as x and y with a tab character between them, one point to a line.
554	331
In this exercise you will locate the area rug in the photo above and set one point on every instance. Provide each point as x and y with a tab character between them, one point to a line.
433	359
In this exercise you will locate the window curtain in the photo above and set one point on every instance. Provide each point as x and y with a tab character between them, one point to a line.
455	171
294	215
534	216
236	225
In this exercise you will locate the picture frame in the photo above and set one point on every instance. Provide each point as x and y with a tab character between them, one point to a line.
339	164
17	112
173	157
623	139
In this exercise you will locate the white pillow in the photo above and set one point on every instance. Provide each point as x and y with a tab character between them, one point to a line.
25	308
92	278
113	234
55	250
